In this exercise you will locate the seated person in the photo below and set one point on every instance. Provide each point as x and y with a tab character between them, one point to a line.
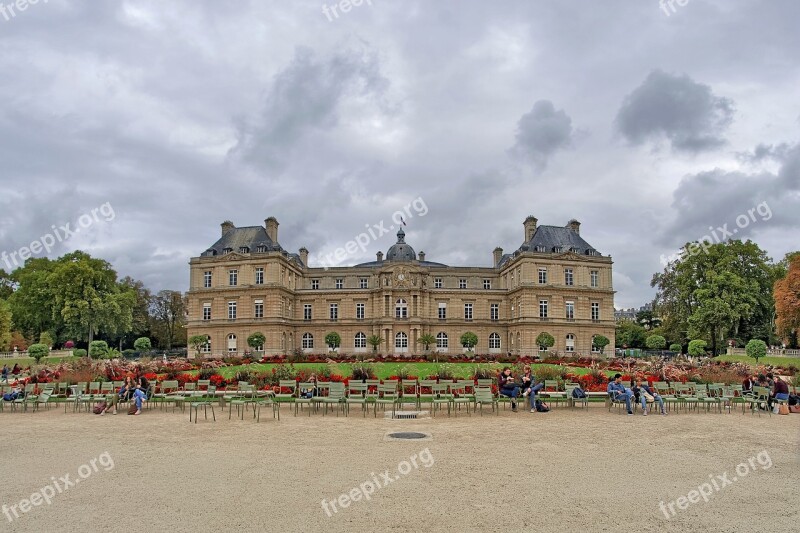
311	392
16	370
5	373
620	393
530	387
780	391
15	393
507	387
642	390
747	385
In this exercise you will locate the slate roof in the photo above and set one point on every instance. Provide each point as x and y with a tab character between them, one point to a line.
553	239
250	237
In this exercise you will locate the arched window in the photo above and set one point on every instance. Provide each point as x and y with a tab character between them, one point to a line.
570	346
283	341
441	340
519	341
494	341
308	341
360	340
231	342
401	341
401	309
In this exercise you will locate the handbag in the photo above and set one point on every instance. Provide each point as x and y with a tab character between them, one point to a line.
132	409
783	409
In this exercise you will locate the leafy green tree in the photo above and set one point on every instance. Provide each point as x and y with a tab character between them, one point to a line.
37	351
629	334
333	340
756	348
545	340
469	340
697	348
256	340
197	342
79	352
426	339
675	347
5	326
142	344
98	349
168	311
717	291
33	302
647	319
140	313
46	339
374	341
656	342
601	341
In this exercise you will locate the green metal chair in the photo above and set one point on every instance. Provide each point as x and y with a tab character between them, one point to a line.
289	385
335	398
409	392
387	395
483	396
571	400
425	392
760	396
442	395
267	401
204	402
356	395
300	401
463	394
245	396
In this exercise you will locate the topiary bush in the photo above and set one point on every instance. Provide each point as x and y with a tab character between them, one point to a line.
697	348
756	349
142	344
37	351
98	349
80	352
675	347
655	342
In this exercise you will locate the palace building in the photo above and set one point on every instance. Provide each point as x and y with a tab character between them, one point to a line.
554	282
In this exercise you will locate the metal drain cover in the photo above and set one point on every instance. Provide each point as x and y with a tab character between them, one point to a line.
408	435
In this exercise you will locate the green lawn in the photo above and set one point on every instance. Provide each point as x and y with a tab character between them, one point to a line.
384	370
773	361
25	362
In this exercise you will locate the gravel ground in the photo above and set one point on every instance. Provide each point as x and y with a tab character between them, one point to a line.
560	471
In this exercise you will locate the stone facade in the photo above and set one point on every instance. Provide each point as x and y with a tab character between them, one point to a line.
246	283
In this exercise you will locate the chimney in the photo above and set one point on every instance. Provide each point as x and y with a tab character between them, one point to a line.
421	256
575	226
380	257
272	228
530	227
497	254
304	255
227	226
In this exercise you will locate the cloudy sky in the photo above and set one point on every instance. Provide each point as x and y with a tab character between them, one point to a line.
648	125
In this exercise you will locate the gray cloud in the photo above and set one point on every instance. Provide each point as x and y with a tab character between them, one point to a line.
541	133
683	111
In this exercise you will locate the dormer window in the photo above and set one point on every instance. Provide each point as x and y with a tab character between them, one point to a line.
540	249
558	249
244	250
591	251
261	249
227	250
574	250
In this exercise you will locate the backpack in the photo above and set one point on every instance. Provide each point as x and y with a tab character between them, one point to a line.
577	392
541	407
132	409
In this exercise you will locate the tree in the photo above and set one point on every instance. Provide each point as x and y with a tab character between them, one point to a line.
601	341
656	342
32	303
374	341
168	311
256	340
142	344
469	340
720	291
5	326
697	348
675	347
426	340
545	340
37	351
629	334
46	339
98	349
756	348
333	340
647	319
197	342
787	300
140	313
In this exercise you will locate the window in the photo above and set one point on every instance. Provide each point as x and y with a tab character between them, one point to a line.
442	311
494	312
315	284
540	248
594	277
244	250
339	283
487	284
207	279
595	311
401	341
233	277
570	311
259	276
227	250
567	276
306	311
437	283
570	346
512	279
206	311
360	311
467	311
308	341
206	348
462	284
360	340
542	308
494	341
401	309
259	309
261	249
595	349
441	340
231	342
334	312
542	276
363	283
231	310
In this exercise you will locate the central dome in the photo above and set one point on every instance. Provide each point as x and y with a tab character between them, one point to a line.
400	251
